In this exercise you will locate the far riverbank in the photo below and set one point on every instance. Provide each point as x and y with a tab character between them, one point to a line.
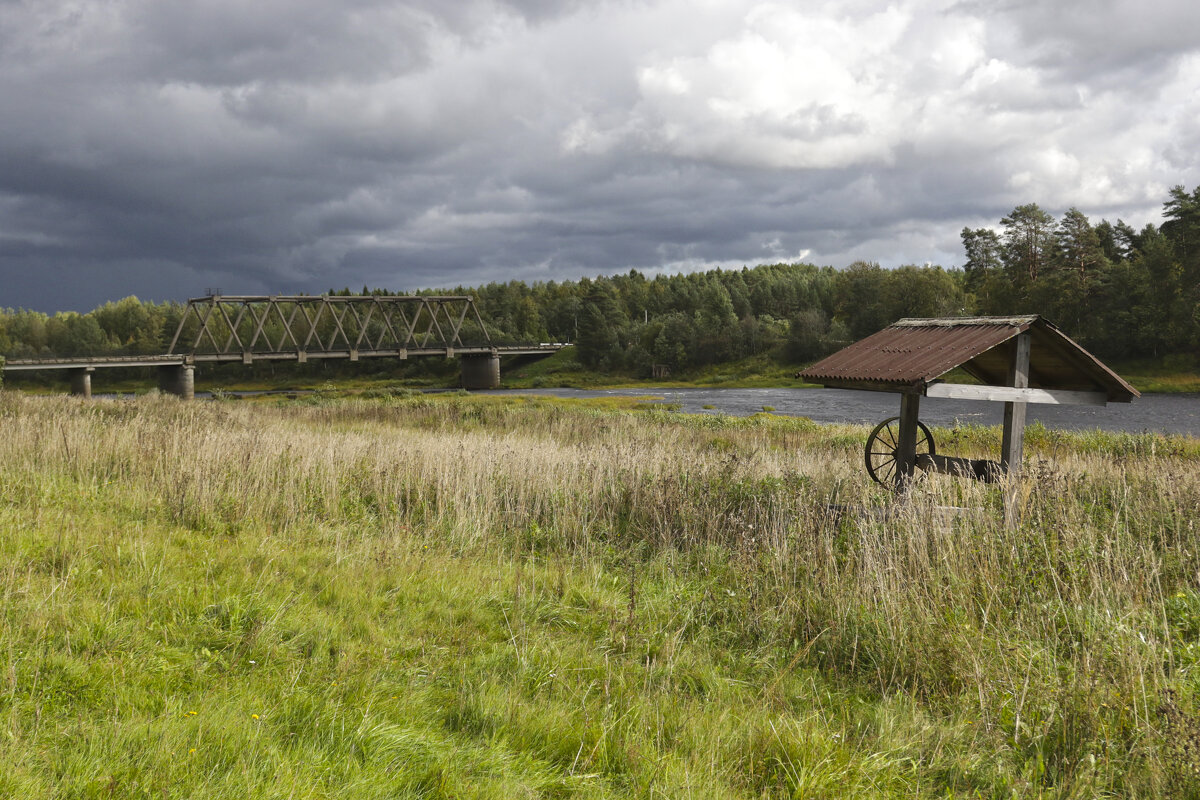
1177	414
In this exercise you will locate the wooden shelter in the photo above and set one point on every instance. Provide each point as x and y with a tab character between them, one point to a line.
1017	360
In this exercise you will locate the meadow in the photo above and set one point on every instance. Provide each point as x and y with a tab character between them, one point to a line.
401	595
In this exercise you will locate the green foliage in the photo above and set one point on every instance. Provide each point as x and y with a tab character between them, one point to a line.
983	256
1028	243
808	335
600	319
128	326
1121	293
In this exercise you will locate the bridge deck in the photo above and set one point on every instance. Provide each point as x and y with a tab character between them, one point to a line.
170	360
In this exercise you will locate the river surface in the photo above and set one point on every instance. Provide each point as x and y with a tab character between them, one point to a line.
1159	413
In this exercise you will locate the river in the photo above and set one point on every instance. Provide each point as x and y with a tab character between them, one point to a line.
1159	413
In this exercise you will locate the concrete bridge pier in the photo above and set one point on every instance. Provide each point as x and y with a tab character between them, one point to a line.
179	380
81	381
481	372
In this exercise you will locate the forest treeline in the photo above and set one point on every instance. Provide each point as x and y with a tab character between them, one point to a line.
1121	292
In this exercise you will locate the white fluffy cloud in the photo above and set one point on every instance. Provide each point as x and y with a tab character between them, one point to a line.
159	148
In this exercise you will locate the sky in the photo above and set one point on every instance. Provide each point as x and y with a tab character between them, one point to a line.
163	149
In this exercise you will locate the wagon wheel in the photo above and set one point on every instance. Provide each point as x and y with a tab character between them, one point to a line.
882	445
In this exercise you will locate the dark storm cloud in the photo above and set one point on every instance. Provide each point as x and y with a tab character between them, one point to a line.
164	148
1088	39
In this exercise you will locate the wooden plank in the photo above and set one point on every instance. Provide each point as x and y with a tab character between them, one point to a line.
1010	394
978	469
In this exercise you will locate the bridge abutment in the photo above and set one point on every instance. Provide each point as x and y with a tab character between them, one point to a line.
81	382
178	380
481	371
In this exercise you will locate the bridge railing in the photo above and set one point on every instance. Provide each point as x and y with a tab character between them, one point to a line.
240	326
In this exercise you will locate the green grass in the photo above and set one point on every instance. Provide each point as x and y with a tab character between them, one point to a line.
563	370
454	596
1171	375
312	667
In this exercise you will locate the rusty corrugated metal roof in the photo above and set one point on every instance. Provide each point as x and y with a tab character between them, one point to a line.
914	352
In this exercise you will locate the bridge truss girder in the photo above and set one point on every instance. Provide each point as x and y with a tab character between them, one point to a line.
226	327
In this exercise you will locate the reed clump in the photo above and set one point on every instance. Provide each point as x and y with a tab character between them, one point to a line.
464	596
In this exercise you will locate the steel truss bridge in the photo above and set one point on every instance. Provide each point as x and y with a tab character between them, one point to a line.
245	329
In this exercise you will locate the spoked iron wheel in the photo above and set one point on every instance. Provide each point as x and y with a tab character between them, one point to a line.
882	450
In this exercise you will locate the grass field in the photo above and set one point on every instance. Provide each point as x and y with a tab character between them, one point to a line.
1170	375
414	596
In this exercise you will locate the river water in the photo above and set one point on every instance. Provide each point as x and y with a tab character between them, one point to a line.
1159	413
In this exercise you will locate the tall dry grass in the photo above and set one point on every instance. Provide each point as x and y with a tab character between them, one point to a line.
1066	647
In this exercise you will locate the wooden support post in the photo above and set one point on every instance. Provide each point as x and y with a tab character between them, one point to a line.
906	451
1012	446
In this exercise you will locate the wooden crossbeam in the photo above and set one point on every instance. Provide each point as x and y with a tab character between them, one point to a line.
1012	394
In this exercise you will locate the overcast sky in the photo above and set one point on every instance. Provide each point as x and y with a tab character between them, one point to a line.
162	148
